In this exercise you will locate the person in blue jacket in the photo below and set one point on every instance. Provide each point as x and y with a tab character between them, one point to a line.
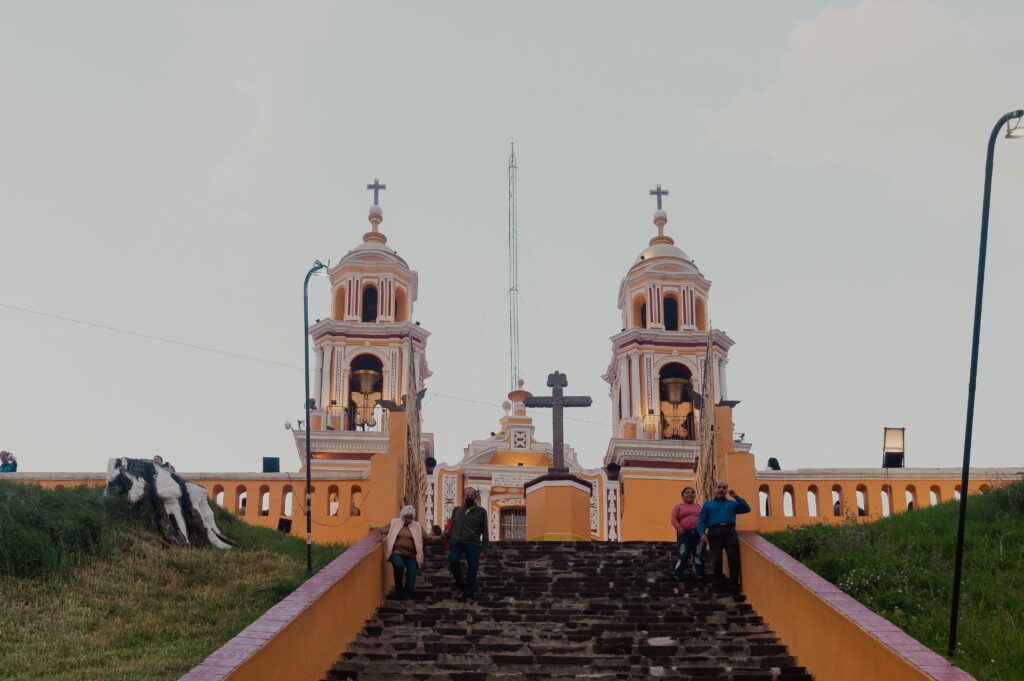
8	464
717	528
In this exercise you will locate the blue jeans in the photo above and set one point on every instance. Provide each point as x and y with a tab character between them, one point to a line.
472	552
406	565
688	546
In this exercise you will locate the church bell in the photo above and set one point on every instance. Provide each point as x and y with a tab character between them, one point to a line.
366	395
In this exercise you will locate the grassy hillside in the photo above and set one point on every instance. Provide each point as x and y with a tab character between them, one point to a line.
901	567
87	591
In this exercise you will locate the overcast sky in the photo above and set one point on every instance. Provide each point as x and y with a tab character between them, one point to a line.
173	170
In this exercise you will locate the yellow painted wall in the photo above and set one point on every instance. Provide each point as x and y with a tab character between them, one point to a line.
323	629
646	505
830	645
557	514
516	458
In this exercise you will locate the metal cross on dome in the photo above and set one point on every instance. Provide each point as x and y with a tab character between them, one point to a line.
557	381
377	187
659	192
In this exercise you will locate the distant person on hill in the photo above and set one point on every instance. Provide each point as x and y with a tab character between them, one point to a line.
159	462
717	527
8	464
403	548
684	519
469	526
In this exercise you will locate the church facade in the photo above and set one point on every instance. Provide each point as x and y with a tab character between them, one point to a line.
667	371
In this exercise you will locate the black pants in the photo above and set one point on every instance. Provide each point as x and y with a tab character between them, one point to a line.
723	538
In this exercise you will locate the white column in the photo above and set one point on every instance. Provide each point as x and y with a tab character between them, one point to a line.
623	389
320	377
634	380
721	378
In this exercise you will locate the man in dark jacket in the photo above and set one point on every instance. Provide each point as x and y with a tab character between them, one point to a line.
717	527
469	527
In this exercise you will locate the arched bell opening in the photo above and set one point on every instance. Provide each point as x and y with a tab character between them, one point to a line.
677	419
702	314
639	313
401	306
365	388
671	313
369	303
338	305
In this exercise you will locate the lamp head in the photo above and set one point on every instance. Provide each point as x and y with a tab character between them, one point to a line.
1017	130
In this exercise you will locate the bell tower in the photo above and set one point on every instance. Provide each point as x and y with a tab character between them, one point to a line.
658	357
369	349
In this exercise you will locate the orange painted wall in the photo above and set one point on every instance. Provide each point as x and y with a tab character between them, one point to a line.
516	458
646	505
323	629
557	514
831	646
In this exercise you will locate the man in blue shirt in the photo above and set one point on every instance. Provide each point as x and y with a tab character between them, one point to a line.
717	527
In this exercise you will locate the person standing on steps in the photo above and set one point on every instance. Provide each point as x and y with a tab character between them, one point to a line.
717	527
403	548
469	537
684	519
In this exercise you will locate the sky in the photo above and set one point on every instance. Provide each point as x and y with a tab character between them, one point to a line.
173	169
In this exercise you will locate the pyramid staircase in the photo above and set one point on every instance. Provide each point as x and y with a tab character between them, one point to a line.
561	610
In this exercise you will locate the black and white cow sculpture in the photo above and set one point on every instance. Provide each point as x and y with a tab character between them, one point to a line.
181	508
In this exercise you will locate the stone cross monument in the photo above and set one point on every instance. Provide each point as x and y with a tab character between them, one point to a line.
558	401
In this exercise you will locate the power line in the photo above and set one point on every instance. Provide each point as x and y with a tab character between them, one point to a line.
235	355
160	339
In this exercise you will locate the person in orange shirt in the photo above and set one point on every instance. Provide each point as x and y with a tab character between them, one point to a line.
688	545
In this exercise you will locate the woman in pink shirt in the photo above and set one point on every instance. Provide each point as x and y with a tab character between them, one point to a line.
684	519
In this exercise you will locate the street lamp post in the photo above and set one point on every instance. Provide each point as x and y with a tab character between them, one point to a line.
965	478
317	265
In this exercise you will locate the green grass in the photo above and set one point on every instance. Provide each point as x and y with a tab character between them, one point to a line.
88	591
901	567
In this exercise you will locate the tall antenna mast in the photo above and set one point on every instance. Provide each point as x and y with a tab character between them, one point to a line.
513	270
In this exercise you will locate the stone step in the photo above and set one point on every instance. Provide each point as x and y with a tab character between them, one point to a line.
550	610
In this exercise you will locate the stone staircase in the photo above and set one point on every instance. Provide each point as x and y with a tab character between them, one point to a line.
554	610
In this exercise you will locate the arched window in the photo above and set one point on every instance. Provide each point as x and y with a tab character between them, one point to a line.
356	503
812	501
218	495
787	502
837	500
676	406
639	320
241	499
287	501
264	500
910	497
862	500
366	386
369	303
702	314
765	501
935	495
671	313
956	492
886	500
401	306
338	305
333	502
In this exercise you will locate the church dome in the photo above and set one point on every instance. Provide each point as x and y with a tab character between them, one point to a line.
663	250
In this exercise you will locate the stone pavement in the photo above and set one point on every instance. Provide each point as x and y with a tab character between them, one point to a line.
561	610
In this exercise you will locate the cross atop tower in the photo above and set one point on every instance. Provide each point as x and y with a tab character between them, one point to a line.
659	192
377	187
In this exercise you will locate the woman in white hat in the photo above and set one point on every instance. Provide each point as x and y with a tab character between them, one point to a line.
403	548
